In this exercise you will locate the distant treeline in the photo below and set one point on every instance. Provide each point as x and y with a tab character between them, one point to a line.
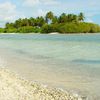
65	23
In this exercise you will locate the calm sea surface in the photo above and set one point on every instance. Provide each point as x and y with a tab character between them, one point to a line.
71	62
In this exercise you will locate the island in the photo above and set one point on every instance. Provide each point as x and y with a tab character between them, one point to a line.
65	23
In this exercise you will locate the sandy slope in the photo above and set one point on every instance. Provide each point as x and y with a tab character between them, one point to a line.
14	88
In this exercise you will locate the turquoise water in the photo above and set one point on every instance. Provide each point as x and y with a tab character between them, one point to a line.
71	62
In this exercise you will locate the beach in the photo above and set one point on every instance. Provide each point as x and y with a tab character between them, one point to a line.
56	61
14	88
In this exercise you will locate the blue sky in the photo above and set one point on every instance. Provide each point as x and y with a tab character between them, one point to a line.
10	10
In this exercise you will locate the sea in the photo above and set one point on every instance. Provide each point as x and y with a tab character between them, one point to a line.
67	61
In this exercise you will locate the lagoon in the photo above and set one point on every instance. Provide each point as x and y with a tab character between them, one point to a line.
71	62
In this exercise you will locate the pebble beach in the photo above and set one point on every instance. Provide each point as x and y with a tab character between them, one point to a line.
14	88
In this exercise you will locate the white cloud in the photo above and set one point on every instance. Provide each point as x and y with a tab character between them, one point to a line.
32	3
80	5
41	12
7	5
8	13
49	2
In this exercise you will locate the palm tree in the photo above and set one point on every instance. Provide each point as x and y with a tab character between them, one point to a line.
40	21
49	16
81	17
70	17
55	20
18	23
75	18
62	18
32	21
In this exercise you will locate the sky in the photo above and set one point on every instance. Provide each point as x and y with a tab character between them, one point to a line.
10	10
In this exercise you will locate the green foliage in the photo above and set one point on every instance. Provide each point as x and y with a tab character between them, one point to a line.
81	17
79	28
55	20
71	28
9	25
11	30
65	23
40	21
49	28
2	30
49	16
28	29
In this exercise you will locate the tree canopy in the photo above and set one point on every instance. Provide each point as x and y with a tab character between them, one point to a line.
64	23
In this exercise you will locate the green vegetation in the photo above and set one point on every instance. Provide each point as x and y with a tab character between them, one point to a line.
65	23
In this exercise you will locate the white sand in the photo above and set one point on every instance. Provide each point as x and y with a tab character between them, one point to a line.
14	88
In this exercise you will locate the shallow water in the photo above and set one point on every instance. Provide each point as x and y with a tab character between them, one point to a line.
71	62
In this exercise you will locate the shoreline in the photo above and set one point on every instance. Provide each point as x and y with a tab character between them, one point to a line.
53	33
13	87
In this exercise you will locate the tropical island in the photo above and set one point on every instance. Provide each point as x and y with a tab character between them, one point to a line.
65	23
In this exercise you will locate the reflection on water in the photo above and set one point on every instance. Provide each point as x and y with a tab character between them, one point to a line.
67	61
